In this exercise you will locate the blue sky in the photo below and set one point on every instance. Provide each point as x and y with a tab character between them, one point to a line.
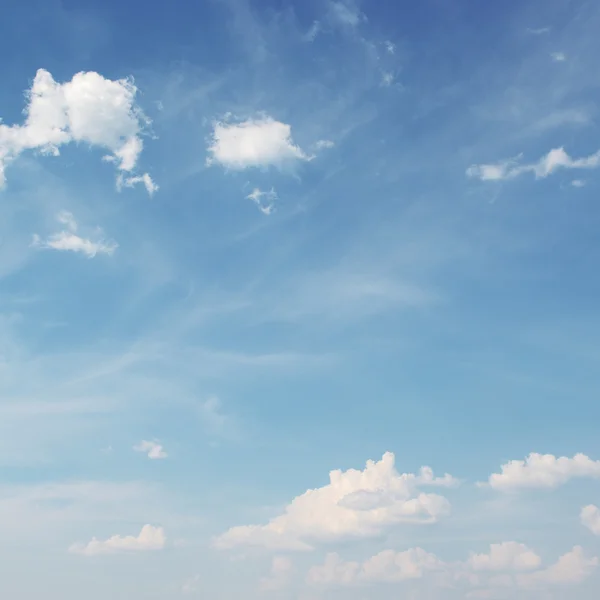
251	249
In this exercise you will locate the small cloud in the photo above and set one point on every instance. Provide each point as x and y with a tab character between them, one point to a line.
345	12
324	144
312	33
154	450
387	79
130	182
149	538
578	183
558	56
590	518
281	569
539	31
68	240
264	200
505	557
254	143
390	47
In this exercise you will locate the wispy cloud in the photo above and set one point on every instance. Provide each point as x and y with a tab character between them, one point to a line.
510	169
68	240
265	200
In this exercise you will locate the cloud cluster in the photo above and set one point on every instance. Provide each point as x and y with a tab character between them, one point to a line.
68	240
507	565
353	504
149	538
543	471
88	109
555	159
265	200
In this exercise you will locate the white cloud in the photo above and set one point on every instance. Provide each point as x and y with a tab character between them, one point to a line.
88	109
149	538
572	567
558	56
543	471
505	557
353	504
590	518
261	142
68	240
264	200
554	160
130	182
387	566
281	569
324	144
578	183
390	47
345	12
154	450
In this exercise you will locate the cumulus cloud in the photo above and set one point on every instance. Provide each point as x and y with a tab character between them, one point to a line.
265	200
387	566
87	109
260	143
590	518
149	538
554	160
505	557
572	567
154	450
68	240
353	504
543	471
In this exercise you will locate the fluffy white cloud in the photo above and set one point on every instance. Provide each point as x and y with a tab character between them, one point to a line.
264	200
149	538
554	160
154	450
68	240
88	109
590	518
387	566
261	142
572	567
505	557
134	180
354	504
543	471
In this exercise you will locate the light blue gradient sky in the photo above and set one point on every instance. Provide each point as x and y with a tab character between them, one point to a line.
390	301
